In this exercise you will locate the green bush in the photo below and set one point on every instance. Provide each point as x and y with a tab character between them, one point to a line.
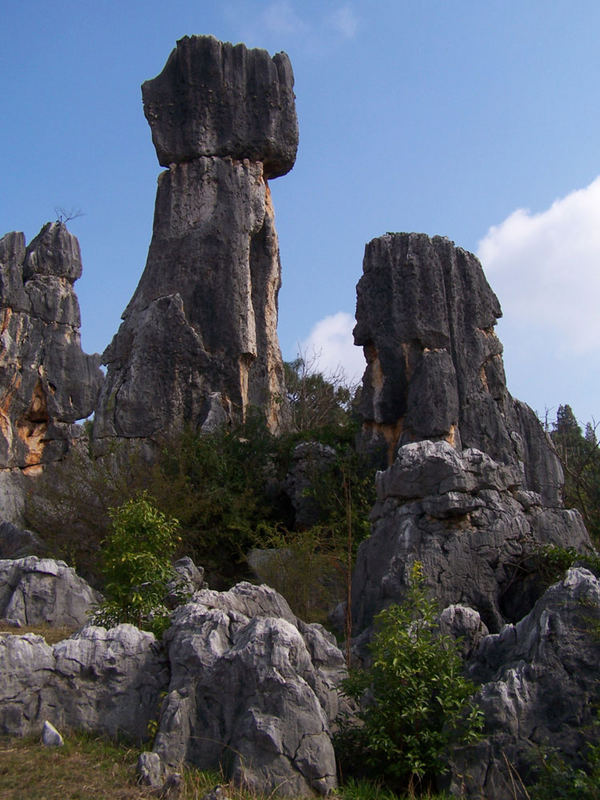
562	781
416	702
136	564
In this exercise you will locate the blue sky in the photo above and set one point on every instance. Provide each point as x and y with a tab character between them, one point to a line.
474	119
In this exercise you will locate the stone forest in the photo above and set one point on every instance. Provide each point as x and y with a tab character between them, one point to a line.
326	553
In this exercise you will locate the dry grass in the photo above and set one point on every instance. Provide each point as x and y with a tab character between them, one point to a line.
51	634
86	768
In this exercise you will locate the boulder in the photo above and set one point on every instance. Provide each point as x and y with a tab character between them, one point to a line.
425	318
100	681
198	344
539	689
252	691
470	523
38	591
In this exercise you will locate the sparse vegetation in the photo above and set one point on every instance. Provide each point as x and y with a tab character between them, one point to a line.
415	700
94	767
136	564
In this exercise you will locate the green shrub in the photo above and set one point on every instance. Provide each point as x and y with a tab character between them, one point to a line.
562	781
416	702
136	564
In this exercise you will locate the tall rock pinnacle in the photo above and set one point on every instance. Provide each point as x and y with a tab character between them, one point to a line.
198	343
47	382
425	318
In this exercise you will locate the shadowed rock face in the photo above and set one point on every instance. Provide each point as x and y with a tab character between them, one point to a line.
198	344
46	381
425	318
216	99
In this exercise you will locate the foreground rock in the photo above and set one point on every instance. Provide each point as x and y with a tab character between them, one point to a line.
425	318
100	681
468	520
47	382
540	688
198	344
253	690
42	591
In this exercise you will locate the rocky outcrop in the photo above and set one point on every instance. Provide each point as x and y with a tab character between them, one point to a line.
101	681
198	343
425	318
253	690
247	687
36	591
18	543
468	520
540	689
47	382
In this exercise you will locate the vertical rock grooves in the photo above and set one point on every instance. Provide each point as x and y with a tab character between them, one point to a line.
198	343
47	382
425	317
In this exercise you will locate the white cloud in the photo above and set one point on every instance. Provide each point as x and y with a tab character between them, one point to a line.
279	17
331	344
344	22
545	268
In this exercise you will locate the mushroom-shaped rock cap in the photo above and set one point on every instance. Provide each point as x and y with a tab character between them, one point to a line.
216	99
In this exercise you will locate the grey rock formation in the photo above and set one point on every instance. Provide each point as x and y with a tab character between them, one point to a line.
252	690
470	523
198	343
214	99
18	543
540	687
425	318
310	461
38	591
465	625
188	579
103	681
46	382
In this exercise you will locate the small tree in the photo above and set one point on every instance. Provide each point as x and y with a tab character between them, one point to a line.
136	565
416	702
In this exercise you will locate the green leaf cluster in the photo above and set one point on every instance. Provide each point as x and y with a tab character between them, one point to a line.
136	564
563	781
579	454
415	700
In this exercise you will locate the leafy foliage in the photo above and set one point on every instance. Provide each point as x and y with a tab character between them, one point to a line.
416	701
563	781
136	563
580	458
320	407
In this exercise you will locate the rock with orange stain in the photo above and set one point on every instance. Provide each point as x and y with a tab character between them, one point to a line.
47	382
425	318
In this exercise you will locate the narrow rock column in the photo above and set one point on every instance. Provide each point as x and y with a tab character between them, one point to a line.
198	343
46	381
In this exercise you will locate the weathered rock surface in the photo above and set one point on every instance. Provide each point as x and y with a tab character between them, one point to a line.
198	344
540	687
470	523
310	461
425	318
18	543
103	681
216	99
253	690
46	381
38	591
